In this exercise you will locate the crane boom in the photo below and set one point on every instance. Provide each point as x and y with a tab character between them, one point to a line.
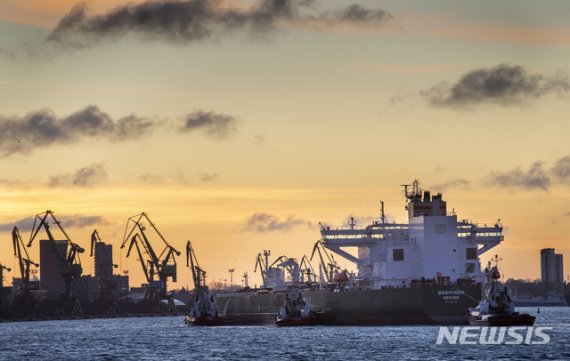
24	261
148	275
94	240
69	262
307	268
262	267
163	263
329	264
198	274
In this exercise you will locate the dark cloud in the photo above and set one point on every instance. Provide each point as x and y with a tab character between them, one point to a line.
561	169
198	20
504	85
214	125
357	15
78	221
208	177
71	221
83	177
264	222
42	128
458	183
24	224
536	177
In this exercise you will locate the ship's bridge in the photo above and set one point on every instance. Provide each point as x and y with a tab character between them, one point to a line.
433	244
369	236
484	235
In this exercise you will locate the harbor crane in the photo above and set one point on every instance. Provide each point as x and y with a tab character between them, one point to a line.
198	274
104	274
278	261
262	262
292	267
24	262
96	239
68	257
327	262
162	264
308	270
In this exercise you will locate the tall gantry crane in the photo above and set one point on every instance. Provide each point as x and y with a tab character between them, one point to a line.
263	265
162	264
24	261
95	240
308	270
68	259
327	262
104	274
198	274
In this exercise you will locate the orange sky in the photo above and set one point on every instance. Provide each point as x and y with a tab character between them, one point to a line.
325	123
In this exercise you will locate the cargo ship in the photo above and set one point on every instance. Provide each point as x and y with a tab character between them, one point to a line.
425	271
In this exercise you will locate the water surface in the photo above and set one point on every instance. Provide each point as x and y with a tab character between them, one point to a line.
168	338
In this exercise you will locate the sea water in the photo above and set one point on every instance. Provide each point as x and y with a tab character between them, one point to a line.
168	338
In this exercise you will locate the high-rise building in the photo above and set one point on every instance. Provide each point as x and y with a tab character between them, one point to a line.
51	280
103	260
551	269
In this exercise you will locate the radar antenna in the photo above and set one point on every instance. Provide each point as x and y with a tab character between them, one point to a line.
415	192
382	215
352	223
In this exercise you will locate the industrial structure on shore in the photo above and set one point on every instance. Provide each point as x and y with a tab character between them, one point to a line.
62	290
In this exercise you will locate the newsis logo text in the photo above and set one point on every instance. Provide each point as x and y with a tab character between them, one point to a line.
471	335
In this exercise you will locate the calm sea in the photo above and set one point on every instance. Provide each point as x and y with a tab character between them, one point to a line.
167	338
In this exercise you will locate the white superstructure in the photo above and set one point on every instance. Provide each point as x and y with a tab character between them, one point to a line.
433	245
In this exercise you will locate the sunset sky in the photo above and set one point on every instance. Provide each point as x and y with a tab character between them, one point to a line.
240	125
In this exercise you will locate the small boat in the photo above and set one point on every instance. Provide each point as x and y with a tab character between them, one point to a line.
295	311
497	308
204	313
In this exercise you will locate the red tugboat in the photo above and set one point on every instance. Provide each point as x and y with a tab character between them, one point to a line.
497	308
295	311
204	311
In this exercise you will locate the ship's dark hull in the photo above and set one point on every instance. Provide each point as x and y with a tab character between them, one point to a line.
394	306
